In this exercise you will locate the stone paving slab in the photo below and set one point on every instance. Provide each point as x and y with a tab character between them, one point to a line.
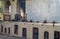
2	36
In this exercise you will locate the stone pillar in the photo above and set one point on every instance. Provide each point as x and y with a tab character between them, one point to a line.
13	9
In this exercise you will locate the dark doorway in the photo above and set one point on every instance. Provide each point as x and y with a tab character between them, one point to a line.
46	35
5	30
35	33
56	35
15	29
24	31
1	28
9	30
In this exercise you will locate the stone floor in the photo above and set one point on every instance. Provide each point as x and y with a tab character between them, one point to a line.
2	36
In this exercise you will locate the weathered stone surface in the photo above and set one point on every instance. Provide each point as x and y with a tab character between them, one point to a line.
2	36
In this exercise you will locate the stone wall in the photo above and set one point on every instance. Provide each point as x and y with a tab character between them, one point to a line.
42	28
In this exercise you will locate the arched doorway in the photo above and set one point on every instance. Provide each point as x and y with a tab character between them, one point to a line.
46	35
56	34
35	33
